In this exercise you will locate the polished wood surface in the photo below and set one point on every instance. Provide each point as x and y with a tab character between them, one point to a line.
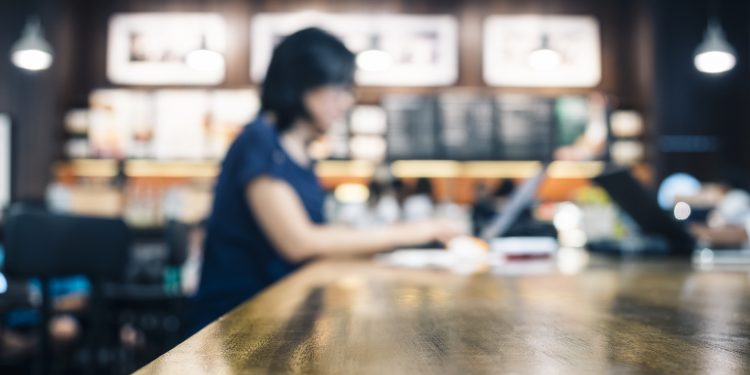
570	317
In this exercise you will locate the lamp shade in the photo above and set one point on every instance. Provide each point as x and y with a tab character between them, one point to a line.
32	51
544	58
714	55
374	60
205	60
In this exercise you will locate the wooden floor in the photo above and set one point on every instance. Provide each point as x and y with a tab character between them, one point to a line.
357	317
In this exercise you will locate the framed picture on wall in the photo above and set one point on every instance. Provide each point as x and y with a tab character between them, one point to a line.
5	161
392	50
166	49
541	51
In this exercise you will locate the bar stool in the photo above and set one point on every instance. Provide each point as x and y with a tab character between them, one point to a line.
44	245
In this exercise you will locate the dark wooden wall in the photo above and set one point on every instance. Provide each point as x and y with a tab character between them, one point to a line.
691	103
80	32
34	100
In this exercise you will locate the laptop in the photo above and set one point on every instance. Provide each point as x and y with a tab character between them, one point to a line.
521	199
641	205
432	256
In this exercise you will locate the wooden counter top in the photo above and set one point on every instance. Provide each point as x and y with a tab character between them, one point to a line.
357	317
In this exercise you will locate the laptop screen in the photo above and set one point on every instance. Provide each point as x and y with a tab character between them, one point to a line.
519	201
643	208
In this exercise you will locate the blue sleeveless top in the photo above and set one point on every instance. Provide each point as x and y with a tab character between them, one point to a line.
239	259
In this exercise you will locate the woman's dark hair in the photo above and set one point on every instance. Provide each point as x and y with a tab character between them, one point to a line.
305	60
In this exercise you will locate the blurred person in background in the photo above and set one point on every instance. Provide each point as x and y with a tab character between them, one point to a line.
388	210
483	209
267	216
503	192
420	205
728	225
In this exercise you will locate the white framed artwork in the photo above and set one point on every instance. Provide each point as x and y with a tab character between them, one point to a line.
541	51
159	49
410	50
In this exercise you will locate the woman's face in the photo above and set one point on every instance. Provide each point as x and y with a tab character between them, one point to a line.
327	105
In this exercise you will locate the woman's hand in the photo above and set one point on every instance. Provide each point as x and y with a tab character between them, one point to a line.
283	218
725	235
426	231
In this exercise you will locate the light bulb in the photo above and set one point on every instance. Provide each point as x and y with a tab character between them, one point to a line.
544	59
714	62
32	59
32	51
714	55
204	60
374	60
681	211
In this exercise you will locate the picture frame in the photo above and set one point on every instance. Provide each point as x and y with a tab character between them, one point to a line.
152	48
422	49
509	41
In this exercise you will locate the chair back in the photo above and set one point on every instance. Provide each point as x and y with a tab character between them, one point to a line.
43	244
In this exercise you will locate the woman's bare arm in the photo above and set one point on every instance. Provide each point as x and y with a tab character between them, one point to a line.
283	218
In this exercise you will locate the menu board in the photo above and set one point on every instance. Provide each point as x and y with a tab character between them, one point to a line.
571	118
456	125
467	126
166	124
581	127
121	123
180	124
5	162
338	140
412	127
229	111
368	124
525	127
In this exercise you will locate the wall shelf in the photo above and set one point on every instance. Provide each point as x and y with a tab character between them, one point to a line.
107	168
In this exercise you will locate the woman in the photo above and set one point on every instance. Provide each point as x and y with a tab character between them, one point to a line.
268	208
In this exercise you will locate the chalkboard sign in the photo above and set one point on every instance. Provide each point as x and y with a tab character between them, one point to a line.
467	126
525	127
412	127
